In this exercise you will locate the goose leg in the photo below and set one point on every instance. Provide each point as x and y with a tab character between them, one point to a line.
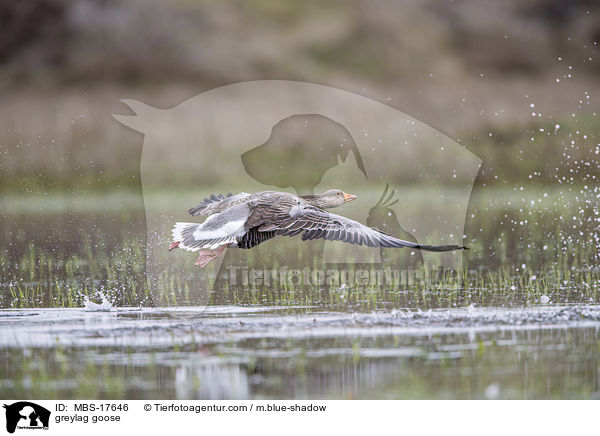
205	256
174	245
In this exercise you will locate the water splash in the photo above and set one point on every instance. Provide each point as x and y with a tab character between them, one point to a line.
90	306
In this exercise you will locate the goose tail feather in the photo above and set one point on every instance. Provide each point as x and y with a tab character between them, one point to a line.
182	232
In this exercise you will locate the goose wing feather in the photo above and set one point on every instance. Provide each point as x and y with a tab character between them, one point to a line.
219	203
319	224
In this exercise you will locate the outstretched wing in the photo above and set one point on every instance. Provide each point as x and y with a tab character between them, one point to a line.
218	203
315	223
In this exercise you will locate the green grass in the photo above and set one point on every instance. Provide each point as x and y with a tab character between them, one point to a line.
519	252
40	279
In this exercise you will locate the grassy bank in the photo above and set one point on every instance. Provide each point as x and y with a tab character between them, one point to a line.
523	249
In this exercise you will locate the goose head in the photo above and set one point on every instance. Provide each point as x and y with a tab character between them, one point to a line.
329	199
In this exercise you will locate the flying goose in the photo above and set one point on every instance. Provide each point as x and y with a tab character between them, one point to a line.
246	220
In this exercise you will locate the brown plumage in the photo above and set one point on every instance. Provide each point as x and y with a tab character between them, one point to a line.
246	220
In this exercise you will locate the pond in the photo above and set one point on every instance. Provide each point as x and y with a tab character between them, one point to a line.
228	352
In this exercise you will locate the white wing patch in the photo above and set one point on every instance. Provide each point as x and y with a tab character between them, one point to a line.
231	228
219	229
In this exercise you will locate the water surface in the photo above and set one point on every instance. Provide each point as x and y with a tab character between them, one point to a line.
300	352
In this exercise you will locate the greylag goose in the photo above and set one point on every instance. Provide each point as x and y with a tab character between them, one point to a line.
246	220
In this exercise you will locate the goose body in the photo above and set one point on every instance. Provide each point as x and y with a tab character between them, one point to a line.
246	220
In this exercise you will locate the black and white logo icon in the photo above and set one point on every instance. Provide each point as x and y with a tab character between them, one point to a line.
26	415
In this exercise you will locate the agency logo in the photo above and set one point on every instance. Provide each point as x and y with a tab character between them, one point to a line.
26	415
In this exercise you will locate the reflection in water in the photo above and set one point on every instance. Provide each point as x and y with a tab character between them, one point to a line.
211	381
230	353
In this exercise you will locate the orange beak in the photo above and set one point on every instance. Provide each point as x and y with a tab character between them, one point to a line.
348	197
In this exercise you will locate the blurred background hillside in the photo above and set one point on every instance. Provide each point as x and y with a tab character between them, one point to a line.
514	81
